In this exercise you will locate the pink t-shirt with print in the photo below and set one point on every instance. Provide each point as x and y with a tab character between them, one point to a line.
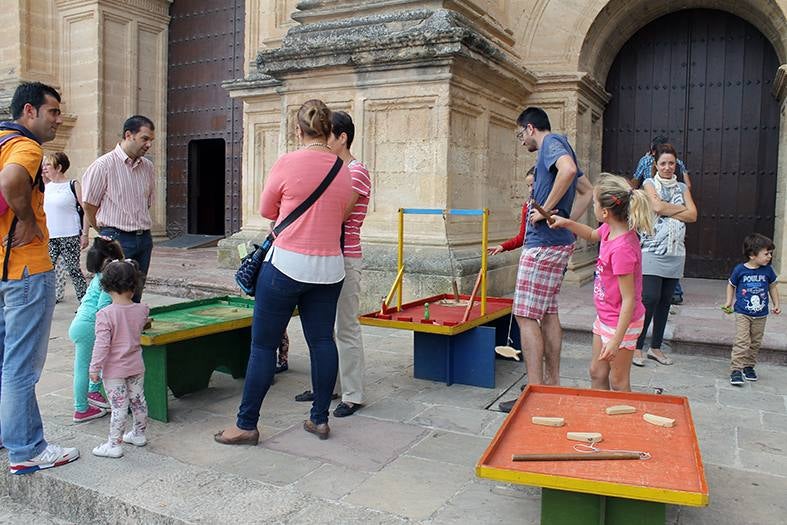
362	185
619	256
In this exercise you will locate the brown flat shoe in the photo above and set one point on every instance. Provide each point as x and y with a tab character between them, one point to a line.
321	431
249	438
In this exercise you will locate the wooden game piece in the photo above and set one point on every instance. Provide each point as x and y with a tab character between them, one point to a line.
659	421
576	456
548	421
585	437
508	351
620	409
426	311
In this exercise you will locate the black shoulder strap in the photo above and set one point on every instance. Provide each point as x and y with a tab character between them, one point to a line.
305	205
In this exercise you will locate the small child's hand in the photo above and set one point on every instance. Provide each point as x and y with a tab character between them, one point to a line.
558	222
495	250
94	377
777	310
727	308
609	350
148	323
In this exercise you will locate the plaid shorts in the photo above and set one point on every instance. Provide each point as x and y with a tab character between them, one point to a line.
629	338
538	280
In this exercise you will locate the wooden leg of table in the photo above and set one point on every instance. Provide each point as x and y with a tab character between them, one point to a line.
155	358
467	358
621	511
559	507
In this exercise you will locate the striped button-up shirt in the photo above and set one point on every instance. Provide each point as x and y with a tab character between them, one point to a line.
122	189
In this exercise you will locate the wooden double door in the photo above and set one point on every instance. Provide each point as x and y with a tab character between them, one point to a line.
703	79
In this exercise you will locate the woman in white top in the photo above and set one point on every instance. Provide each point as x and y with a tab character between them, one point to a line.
67	236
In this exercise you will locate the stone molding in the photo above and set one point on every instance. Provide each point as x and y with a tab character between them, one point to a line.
582	82
381	41
779	89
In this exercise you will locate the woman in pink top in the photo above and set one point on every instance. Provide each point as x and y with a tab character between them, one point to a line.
117	356
617	289
305	268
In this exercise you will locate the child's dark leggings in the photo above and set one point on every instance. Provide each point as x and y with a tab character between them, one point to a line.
656	296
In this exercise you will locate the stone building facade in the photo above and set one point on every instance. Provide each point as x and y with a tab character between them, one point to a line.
434	87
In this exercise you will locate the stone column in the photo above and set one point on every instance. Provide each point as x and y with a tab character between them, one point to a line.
780	219
434	98
112	61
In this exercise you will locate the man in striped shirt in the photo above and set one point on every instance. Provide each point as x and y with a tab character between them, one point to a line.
118	193
348	330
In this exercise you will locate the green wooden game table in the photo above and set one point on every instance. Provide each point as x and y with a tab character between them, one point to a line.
188	341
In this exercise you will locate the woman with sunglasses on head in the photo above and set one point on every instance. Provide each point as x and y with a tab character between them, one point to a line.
304	269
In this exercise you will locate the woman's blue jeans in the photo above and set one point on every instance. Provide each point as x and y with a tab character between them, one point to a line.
276	297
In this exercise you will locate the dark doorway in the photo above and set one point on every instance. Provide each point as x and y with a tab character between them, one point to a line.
206	186
703	79
205	50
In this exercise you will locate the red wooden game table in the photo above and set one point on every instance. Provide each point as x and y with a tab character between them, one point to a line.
611	492
446	348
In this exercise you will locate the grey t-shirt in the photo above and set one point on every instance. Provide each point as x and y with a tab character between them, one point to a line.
664	252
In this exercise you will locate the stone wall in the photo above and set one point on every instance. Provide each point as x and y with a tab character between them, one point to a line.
108	58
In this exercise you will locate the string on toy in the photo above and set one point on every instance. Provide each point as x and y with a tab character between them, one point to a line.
592	448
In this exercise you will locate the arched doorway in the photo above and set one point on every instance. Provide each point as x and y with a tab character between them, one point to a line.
702	78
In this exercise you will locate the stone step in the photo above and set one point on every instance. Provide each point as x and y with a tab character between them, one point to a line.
14	512
144	487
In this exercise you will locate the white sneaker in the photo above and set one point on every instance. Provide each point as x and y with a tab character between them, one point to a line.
138	440
52	456
108	450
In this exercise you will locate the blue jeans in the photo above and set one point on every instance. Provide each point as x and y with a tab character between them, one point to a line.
137	246
276	297
27	306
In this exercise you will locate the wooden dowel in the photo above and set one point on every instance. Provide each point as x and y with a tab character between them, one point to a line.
472	298
543	212
578	456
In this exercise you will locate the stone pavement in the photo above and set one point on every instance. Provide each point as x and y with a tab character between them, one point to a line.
407	457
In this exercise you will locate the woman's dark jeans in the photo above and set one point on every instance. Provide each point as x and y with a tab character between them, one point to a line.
276	297
657	297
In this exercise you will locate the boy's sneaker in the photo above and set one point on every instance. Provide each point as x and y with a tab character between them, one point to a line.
97	399
52	456
749	374
736	377
91	413
138	440
108	450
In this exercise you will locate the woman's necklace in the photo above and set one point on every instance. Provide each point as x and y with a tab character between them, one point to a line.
315	144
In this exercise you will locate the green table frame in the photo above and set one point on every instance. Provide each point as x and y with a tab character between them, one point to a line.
183	360
560	507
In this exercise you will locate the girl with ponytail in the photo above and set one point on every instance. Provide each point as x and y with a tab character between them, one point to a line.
617	289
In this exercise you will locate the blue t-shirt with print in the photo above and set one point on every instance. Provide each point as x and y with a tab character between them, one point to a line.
751	289
552	148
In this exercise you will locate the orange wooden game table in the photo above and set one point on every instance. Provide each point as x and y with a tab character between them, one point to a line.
611	492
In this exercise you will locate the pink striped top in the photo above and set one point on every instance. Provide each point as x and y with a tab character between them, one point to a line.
122	189
362	185
292	179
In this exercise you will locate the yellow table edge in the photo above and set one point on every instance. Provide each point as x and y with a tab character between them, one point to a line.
190	333
601	488
434	329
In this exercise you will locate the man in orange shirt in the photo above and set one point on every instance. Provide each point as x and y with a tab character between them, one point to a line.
27	289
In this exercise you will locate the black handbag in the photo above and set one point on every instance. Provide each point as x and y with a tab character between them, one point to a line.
250	265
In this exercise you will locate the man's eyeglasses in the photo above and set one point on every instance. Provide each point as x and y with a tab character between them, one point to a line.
520	134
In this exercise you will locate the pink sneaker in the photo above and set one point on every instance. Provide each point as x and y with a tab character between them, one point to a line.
91	413
97	399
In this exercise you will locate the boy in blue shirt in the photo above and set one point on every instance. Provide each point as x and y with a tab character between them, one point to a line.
749	285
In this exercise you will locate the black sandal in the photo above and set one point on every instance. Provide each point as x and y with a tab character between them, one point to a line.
308	395
344	410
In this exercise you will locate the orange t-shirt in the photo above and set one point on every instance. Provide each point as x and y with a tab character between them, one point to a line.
34	256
